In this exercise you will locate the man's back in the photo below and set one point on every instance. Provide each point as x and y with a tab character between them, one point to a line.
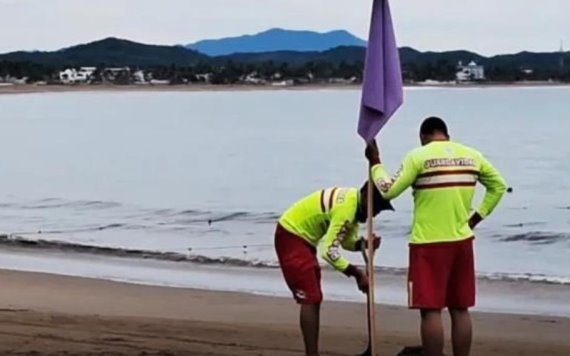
441	271
310	217
443	175
327	216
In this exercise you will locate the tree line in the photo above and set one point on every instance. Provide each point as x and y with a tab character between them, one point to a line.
230	72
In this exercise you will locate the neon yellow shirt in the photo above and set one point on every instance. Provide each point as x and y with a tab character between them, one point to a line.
326	217
443	175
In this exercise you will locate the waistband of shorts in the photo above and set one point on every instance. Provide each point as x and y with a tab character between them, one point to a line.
443	243
289	234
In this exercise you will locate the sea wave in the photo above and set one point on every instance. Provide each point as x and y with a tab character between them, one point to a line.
63	246
538	237
529	223
125	216
192	257
129	212
54	203
74	230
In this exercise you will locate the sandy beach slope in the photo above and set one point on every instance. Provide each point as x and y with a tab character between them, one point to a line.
45	314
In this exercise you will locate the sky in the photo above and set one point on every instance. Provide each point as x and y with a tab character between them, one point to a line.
484	26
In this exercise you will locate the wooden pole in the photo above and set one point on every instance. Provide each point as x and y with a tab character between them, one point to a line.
370	266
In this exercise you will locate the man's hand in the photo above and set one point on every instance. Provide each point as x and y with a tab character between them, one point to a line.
475	220
372	153
361	278
362	281
363	243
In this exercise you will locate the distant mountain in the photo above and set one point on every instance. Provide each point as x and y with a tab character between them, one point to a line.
277	40
349	55
544	61
112	52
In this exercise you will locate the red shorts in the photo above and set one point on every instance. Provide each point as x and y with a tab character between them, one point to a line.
441	275
300	267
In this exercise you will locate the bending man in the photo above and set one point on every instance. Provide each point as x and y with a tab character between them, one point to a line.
329	218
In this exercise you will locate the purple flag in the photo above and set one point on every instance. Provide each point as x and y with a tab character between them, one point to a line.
382	90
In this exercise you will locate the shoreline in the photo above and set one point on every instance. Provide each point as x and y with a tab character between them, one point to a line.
16	243
49	314
34	88
494	296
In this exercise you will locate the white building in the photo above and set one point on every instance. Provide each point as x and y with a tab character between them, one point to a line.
72	75
159	82
252	78
140	77
8	80
205	77
113	74
470	72
283	83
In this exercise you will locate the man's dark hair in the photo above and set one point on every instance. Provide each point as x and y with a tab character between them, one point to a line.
433	124
379	203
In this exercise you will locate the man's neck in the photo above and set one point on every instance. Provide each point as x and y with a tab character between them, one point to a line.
439	138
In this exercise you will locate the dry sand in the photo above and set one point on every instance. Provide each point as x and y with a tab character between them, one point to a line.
45	314
33	88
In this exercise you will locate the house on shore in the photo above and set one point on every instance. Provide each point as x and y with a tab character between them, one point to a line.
117	75
9	80
73	76
471	72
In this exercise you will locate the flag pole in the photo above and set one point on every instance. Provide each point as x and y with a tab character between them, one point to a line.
370	266
382	95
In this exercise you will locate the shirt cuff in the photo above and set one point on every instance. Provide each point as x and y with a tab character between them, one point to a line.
481	214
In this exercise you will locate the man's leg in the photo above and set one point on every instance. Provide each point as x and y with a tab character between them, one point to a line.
310	299
303	277
432	332
461	297
461	331
310	321
427	281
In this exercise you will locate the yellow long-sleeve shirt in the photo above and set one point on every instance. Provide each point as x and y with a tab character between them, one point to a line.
443	175
327	218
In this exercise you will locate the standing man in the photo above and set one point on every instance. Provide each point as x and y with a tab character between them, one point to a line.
443	175
329	218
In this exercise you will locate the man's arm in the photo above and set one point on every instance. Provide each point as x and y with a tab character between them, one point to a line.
495	189
355	243
338	235
352	241
391	187
341	233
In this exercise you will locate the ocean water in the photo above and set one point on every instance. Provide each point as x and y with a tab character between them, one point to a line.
203	176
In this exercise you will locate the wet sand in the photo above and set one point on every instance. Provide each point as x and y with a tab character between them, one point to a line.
43	314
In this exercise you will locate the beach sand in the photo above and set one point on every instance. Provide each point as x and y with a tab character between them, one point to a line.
33	88
43	314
